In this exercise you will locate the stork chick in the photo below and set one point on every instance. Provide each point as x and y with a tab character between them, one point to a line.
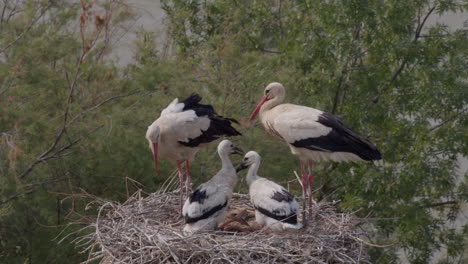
207	206
274	206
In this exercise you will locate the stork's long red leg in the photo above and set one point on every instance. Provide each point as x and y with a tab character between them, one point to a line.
309	183
304	194
155	157
187	173
181	180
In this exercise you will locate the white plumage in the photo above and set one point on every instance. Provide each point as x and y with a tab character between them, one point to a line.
274	206
311	134
175	127
182	129
207	206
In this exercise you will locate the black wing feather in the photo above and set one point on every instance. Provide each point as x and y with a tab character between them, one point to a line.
283	196
280	216
206	214
198	196
340	139
219	126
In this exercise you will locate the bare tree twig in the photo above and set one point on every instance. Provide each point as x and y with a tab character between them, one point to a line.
123	233
30	188
450	119
5	4
71	84
13	11
105	101
43	11
345	70
443	203
416	37
45	156
52	151
259	47
403	64
421	25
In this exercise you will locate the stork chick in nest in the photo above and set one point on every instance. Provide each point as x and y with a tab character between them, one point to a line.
274	206
207	206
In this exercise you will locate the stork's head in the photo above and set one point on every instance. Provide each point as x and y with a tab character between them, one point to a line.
153	133
226	146
250	158
273	91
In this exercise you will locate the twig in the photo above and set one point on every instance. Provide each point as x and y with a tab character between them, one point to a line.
403	64
105	101
443	203
450	119
30	188
259	47
148	230
345	71
43	11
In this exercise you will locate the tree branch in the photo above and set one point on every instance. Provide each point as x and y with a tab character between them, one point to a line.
345	70
398	71
30	188
338	88
416	37
421	25
443	203
5	4
105	101
450	119
45	156
403	64
43	11
259	47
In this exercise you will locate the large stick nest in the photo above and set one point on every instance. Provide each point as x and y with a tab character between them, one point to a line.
149	230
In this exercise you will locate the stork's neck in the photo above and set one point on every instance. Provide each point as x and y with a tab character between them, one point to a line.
225	161
268	105
252	173
226	169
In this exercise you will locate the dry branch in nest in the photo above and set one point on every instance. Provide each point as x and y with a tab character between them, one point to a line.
149	230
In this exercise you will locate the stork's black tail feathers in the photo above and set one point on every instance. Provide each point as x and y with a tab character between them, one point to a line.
219	126
340	139
348	140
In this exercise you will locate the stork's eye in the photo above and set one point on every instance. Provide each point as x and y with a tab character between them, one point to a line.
232	146
245	159
267	91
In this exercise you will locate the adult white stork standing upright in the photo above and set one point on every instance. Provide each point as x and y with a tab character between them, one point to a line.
206	207
274	206
182	130
311	134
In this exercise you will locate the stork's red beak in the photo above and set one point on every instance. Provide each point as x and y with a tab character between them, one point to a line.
155	157
264	99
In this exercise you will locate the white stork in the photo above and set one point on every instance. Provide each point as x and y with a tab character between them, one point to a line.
207	206
311	134
182	130
274	206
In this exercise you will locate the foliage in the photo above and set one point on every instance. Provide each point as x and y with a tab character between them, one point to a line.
59	133
72	121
